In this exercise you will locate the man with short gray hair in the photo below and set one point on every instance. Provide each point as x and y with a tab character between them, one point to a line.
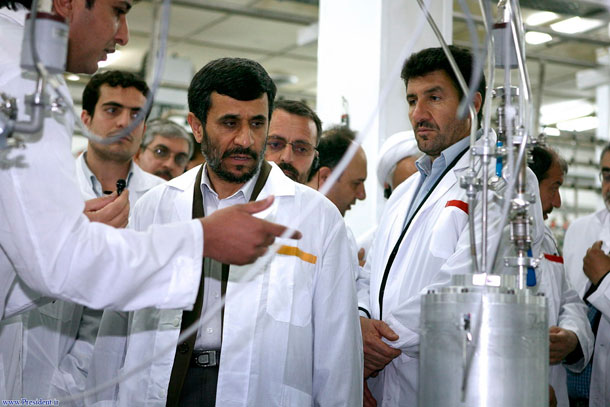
166	149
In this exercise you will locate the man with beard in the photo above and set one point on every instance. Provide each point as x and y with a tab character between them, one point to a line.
166	149
287	334
570	336
586	247
423	235
294	133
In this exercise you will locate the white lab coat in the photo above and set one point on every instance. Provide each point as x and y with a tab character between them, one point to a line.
291	335
52	361
49	245
580	236
566	310
435	247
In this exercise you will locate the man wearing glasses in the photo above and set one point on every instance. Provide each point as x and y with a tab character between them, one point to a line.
294	133
586	245
166	149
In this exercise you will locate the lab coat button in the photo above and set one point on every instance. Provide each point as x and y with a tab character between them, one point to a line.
177	322
183	347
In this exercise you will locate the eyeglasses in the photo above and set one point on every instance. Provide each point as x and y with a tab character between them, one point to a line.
300	148
604	175
161	152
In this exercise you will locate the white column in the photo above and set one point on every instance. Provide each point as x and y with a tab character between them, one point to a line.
361	49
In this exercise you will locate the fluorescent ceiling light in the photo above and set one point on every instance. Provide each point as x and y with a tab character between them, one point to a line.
576	25
551	131
562	111
72	77
541	17
535	37
110	59
580	124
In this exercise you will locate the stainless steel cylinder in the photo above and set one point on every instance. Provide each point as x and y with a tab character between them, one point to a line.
483	346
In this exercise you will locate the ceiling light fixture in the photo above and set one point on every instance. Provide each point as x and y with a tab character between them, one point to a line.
576	25
580	124
562	111
541	17
551	131
536	38
72	77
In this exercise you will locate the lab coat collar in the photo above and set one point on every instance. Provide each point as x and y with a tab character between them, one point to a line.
18	16
137	179
277	184
449	180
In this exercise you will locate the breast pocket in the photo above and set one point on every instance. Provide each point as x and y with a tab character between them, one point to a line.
447	229
290	283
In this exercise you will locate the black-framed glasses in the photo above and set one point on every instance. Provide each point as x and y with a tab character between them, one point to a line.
161	152
604	175
299	147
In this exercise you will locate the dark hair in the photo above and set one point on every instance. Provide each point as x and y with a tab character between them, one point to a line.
604	151
12	4
333	145
434	59
91	94
300	109
238	78
542	160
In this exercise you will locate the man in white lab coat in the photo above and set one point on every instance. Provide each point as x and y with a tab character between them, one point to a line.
110	102
571	338
586	246
48	247
422	238
288	335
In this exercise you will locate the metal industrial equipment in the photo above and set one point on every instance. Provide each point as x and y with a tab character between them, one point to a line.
484	339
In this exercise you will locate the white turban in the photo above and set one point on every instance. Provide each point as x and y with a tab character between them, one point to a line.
394	149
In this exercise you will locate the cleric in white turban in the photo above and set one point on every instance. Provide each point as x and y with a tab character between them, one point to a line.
397	160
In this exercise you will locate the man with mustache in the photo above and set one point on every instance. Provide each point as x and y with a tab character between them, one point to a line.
287	335
585	250
570	336
294	134
166	149
423	236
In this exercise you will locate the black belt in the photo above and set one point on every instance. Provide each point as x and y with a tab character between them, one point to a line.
205	358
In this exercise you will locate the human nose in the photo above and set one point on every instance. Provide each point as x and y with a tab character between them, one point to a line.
418	112
124	118
286	155
244	138
361	192
557	200
122	34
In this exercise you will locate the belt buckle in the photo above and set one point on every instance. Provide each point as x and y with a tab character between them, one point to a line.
206	358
